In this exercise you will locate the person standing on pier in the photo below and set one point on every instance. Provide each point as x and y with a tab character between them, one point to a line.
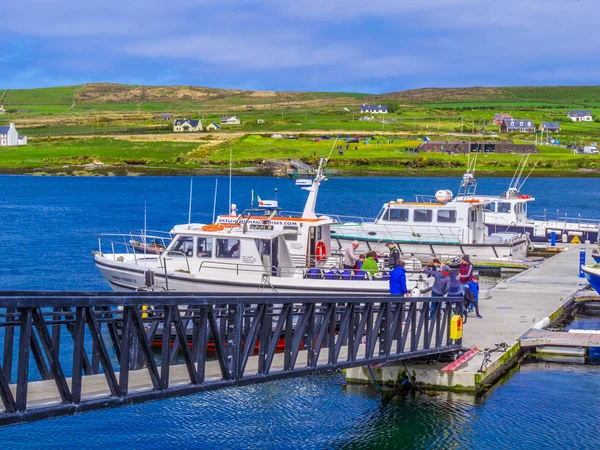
473	287
466	272
350	256
398	280
441	280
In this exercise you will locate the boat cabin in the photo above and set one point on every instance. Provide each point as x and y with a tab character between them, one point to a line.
506	210
454	221
199	247
308	239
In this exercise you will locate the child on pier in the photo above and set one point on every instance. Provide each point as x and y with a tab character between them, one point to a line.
472	296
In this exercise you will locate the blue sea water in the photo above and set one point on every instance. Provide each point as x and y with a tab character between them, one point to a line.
48	228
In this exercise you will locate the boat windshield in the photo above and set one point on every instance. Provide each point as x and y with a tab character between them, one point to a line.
381	213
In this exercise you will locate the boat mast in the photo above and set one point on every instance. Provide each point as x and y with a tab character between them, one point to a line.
311	201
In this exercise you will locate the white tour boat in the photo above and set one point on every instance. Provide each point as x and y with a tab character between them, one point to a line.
216	258
444	226
507	213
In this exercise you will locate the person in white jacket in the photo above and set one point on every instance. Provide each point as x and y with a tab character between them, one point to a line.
350	256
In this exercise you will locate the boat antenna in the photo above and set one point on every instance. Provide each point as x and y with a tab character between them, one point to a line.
529	174
521	169
515	174
190	205
332	147
145	227
230	168
215	200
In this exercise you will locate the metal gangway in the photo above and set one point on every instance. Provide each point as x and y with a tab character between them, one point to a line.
68	352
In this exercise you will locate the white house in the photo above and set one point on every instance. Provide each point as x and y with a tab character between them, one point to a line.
230	120
10	137
374	109
580	115
214	126
182	125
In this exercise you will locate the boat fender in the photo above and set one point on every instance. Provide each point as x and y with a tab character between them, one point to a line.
542	324
530	248
321	251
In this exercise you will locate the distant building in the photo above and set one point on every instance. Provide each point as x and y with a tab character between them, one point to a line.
498	118
517	125
580	115
9	136
166	116
185	125
553	127
233	120
464	147
374	109
214	126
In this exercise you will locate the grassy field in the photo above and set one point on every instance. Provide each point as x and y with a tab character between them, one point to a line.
91	117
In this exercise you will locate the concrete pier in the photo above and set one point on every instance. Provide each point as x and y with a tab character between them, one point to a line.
532	299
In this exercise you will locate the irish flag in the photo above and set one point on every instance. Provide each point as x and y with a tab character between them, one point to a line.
263	203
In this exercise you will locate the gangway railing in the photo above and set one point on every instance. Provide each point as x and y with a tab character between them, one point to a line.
68	352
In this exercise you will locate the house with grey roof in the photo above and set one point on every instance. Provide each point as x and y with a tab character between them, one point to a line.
9	136
214	126
580	115
166	116
374	109
552	127
185	125
233	120
517	126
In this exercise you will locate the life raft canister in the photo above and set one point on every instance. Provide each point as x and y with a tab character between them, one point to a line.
321	251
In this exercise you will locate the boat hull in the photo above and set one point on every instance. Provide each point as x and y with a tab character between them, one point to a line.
593	276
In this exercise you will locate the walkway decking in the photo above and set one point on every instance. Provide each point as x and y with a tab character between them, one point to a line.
512	309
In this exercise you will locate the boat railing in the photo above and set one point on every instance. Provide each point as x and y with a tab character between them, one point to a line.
206	265
566	220
421	198
125	243
163	259
449	235
348	219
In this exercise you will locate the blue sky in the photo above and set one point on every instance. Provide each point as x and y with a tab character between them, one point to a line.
371	46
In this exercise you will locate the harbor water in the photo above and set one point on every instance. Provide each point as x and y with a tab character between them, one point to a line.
48	229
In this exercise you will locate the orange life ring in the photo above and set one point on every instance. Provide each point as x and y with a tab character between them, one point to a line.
321	251
524	197
472	200
213	227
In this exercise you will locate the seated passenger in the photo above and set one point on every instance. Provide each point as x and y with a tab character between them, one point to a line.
359	262
370	265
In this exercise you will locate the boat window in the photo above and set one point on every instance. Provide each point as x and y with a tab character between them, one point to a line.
422	215
446	216
228	248
204	247
490	207
184	245
398	215
381	213
503	207
473	216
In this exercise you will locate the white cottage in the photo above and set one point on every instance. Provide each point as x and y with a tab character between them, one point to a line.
10	137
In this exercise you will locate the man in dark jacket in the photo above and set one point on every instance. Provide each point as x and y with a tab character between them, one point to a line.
441	280
394	255
398	280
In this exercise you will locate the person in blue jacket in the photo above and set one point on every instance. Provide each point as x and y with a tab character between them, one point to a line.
473	286
398	280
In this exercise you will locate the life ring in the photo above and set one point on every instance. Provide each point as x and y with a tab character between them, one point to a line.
321	251
524	197
472	200
213	227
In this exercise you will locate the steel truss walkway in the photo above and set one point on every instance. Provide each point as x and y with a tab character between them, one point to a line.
64	353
